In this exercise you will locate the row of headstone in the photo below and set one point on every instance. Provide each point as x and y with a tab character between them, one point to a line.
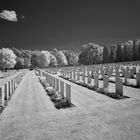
118	81
128	73
8	88
59	85
6	74
110	70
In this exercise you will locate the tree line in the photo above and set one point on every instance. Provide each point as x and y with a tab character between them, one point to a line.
13	58
90	53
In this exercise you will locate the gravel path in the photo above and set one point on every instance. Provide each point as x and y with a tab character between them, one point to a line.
30	115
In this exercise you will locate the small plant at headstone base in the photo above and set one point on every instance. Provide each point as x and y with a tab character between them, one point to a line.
78	82
62	104
100	90
91	86
56	97
46	85
106	92
62	76
82	83
44	82
66	78
51	91
113	95
71	80
41	78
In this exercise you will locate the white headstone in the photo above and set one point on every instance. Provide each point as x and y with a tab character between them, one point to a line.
83	77
6	91
138	79
68	93
96	81
105	82
62	88
89	78
1	96
57	84
119	86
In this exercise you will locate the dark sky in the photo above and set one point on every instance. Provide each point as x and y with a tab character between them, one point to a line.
68	24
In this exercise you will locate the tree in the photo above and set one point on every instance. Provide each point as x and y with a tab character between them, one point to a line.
47	56
38	60
7	59
53	61
105	55
19	63
119	53
136	49
71	57
129	47
91	54
124	56
61	58
112	56
24	56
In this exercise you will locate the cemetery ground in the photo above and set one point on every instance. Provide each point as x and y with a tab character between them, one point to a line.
30	114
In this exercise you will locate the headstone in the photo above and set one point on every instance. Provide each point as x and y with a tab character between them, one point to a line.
57	84
117	73
6	91
70	74
119	86
105	83
54	83
110	73
9	87
138	79
131	73
83	77
74	77
89	78
62	88
88	73
1	96
126	77
68	93
96	81
78	76
51	80
123	71
134	69
12	86
127	69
